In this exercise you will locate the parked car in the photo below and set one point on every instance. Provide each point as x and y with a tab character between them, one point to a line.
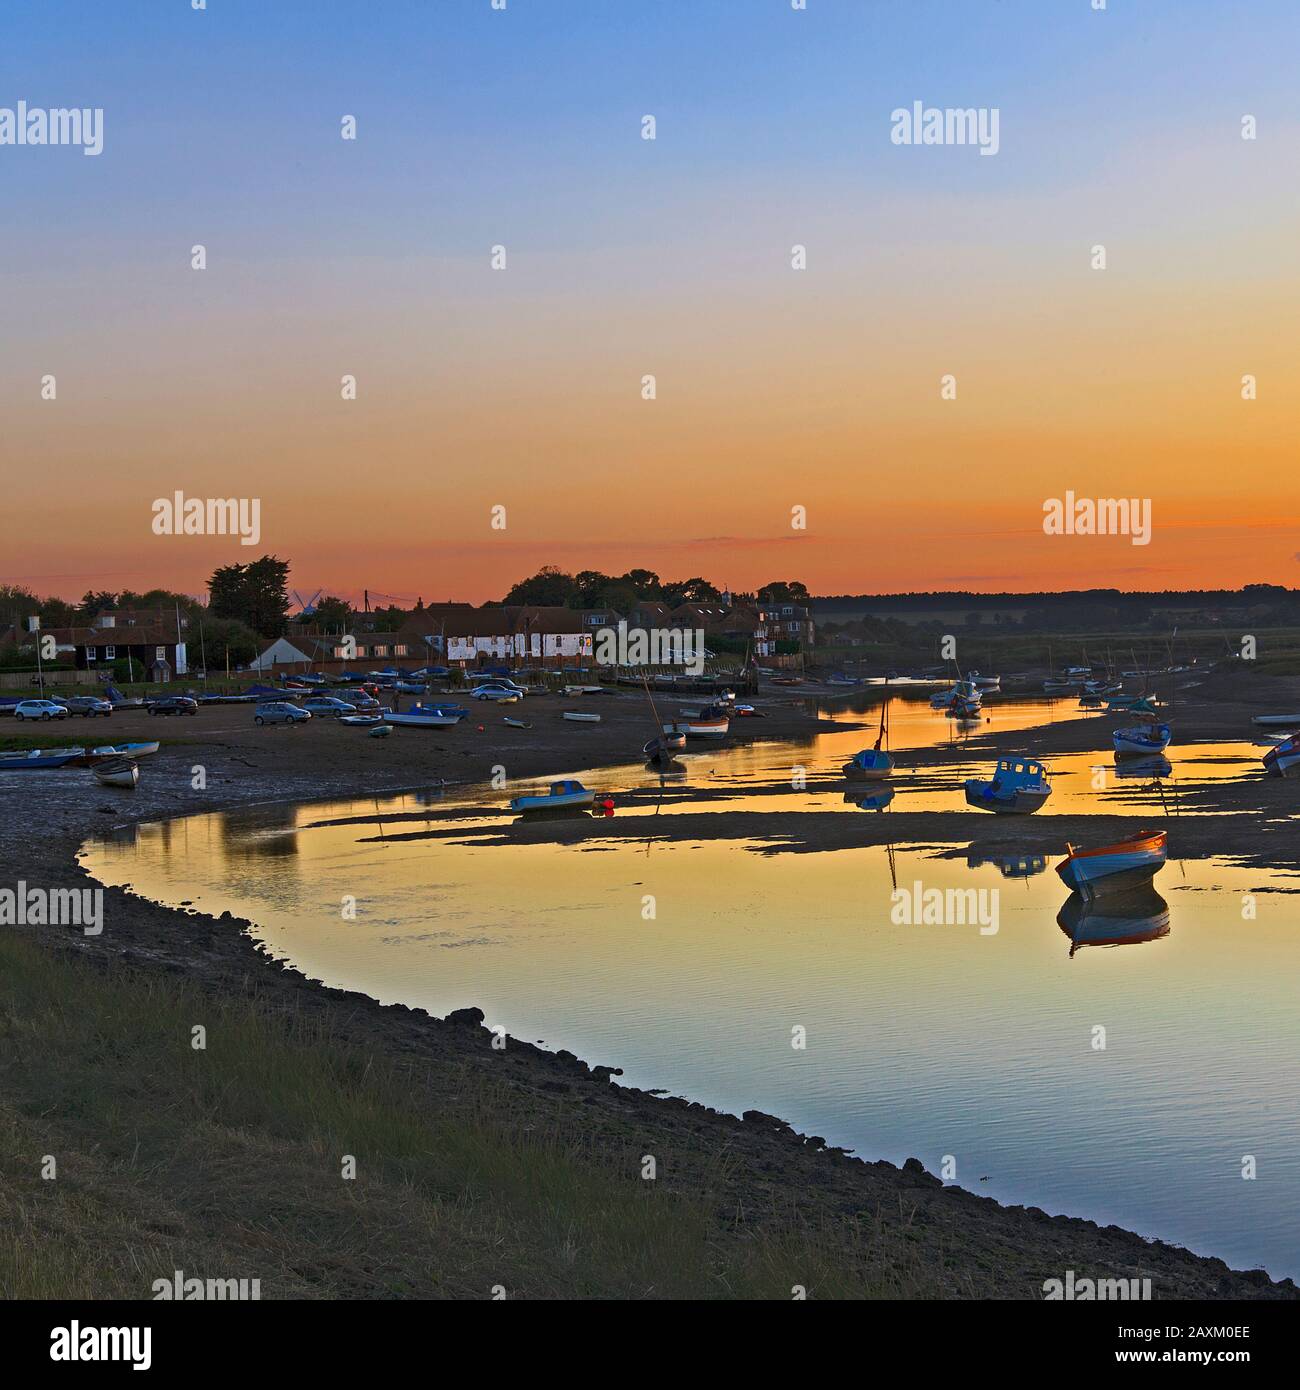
280	712
40	709
174	704
360	700
496	692
506	684
328	705
88	706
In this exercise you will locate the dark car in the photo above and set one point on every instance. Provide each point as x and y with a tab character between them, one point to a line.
174	704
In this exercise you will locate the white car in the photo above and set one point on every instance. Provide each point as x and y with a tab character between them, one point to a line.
499	693
40	709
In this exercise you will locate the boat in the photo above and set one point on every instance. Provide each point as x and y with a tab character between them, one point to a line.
1141	742
1290	720
579	718
1283	757
117	772
698	727
872	764
567	793
360	721
1116	868
413	720
985	682
661	748
39	761
1126	919
124	750
517	723
1019	786
381	731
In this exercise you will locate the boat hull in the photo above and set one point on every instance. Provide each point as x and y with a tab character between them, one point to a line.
1023	801
417	721
1114	869
1141	743
713	728
552	803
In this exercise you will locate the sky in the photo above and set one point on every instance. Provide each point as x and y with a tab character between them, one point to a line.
781	395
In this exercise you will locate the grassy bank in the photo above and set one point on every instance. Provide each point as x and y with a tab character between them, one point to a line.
226	1163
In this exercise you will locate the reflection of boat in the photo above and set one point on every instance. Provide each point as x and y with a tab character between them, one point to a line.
1114	868
562	794
1156	765
1019	786
1141	742
117	772
1283	757
1122	920
1010	865
666	767
870	801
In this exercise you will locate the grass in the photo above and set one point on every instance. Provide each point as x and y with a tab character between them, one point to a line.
226	1162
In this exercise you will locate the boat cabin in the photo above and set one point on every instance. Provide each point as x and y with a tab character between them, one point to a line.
1019	772
566	788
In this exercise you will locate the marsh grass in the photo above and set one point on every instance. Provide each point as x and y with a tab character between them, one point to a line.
226	1162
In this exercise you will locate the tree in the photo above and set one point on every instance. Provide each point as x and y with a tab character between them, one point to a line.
330	613
783	591
548	588
689	591
254	594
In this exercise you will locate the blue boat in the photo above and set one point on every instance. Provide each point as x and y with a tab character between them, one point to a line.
1142	741
38	761
1019	786
570	792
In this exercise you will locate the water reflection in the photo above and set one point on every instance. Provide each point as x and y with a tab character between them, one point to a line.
1142	915
1010	865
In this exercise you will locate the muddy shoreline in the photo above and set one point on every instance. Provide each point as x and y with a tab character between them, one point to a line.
973	1246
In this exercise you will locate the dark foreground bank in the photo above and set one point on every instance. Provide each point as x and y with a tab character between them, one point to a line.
333	1147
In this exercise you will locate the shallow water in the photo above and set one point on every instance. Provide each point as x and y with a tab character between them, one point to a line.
933	1040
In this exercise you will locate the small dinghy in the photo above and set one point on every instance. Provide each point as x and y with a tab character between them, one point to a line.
1141	742
361	721
1117	868
423	720
1123	920
712	721
41	761
517	723
579	718
1283	758
661	748
876	763
117	772
1019	786
381	731
562	794
124	750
